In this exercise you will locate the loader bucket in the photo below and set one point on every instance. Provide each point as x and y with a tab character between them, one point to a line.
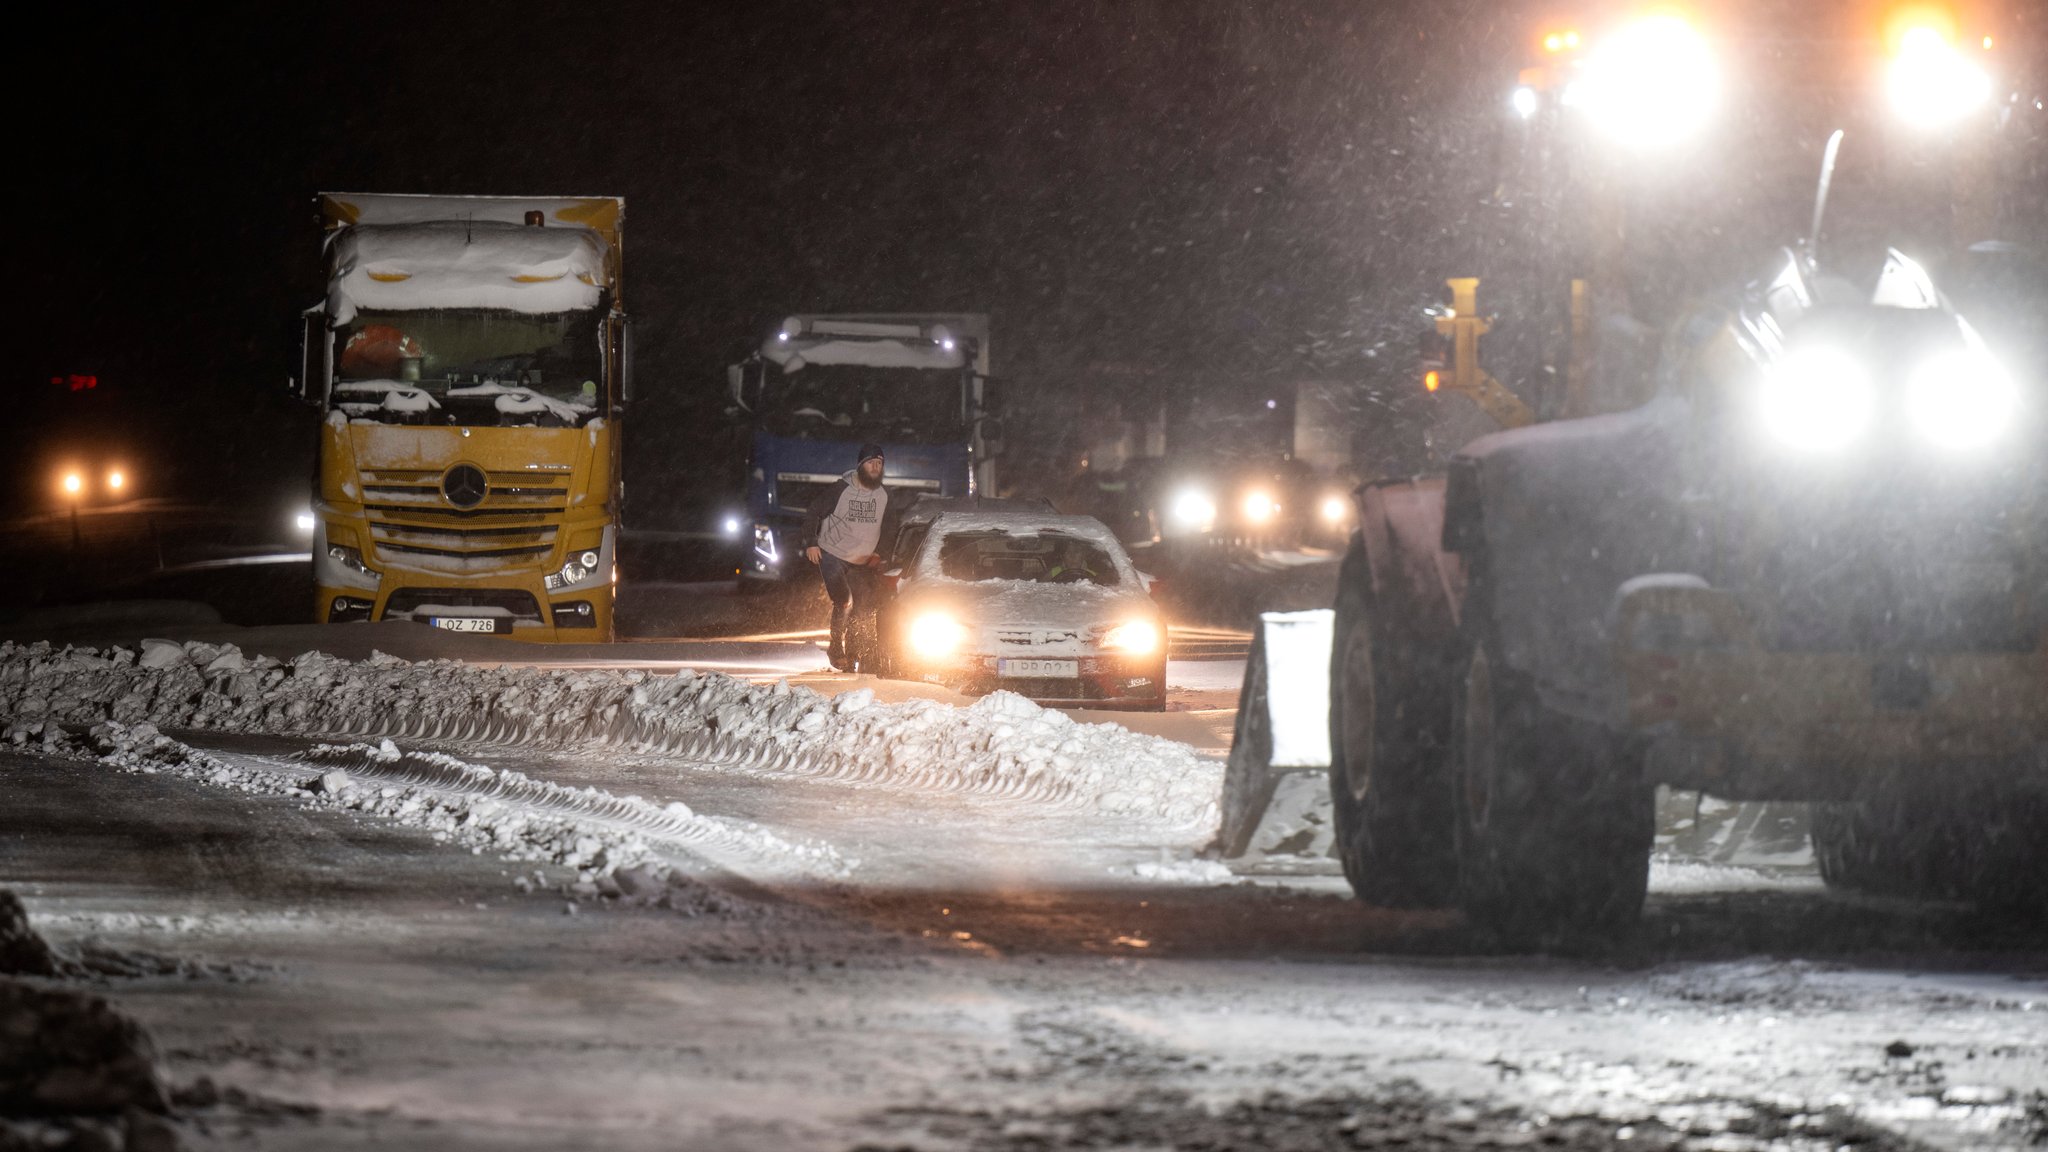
1283	723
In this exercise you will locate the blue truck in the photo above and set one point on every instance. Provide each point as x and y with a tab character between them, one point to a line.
821	386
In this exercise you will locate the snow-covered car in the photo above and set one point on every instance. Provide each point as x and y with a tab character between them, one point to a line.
1036	603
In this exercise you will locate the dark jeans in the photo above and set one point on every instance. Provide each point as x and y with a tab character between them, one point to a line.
849	585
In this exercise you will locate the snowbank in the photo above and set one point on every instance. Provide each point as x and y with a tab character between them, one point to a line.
1001	745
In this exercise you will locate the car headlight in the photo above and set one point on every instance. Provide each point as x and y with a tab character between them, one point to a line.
1819	399
936	634
1136	638
351	559
1335	509
1962	399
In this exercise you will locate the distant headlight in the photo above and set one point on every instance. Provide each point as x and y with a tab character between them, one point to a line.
1335	509
74	483
116	480
936	634
1193	510
1962	399
1819	399
1138	638
1259	507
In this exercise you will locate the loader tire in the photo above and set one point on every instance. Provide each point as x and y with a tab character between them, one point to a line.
1389	793
1554	819
1988	846
1883	846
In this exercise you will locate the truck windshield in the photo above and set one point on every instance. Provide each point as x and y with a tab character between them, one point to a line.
843	402
471	366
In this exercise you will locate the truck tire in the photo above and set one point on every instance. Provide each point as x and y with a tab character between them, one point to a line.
1554	819
1390	797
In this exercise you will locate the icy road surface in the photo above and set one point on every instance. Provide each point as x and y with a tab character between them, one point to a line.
435	905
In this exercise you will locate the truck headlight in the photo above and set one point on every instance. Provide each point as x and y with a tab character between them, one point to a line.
351	560
1335	509
576	571
1135	638
1819	399
936	634
1962	399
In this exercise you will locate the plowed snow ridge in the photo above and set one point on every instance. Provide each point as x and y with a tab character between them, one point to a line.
1003	745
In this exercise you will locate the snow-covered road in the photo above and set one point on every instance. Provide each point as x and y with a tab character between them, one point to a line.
444	905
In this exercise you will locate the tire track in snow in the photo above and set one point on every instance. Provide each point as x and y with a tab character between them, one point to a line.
631	735
738	847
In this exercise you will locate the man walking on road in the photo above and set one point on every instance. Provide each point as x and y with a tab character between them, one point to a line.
845	529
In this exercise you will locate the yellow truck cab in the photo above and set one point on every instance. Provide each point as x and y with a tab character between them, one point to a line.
470	362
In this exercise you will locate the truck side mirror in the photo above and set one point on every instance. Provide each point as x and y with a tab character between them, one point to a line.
315	350
625	329
736	384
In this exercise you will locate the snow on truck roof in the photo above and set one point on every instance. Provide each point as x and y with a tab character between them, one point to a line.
605	214
464	264
881	340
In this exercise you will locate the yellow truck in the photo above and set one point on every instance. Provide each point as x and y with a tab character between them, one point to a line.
470	360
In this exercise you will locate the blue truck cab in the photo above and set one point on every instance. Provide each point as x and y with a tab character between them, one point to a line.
821	386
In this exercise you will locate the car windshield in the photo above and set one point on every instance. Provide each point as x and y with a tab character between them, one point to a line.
842	402
1041	557
470	366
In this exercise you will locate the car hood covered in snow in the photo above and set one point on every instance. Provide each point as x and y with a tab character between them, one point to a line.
991	604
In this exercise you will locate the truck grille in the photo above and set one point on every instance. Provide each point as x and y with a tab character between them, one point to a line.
413	523
408	603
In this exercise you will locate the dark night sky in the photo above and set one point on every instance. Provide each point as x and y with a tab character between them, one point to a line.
1237	189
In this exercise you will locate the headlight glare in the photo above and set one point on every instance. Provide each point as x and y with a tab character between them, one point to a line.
1136	638
1193	510
1819	399
936	634
1259	507
1961	400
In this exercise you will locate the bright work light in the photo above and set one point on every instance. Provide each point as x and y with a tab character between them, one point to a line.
1962	399
1819	399
1931	82
1650	83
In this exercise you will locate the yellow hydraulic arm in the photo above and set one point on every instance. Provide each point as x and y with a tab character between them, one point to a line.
1464	326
